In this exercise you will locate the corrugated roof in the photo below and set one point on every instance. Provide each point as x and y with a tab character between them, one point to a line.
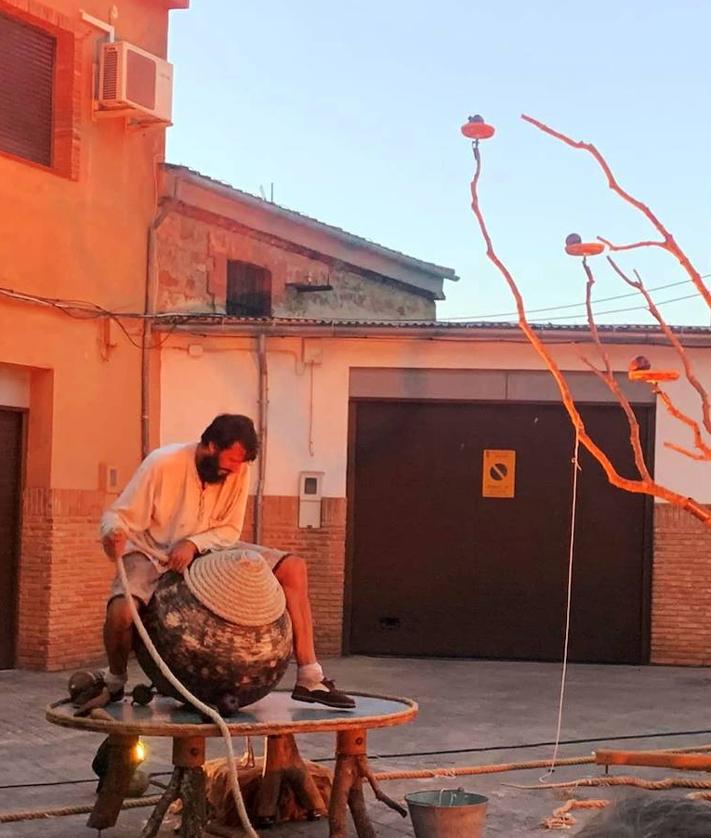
610	328
427	267
492	330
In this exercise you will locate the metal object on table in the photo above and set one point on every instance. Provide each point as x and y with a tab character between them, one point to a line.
276	716
447	813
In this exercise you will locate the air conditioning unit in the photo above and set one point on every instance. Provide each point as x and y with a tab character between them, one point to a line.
131	79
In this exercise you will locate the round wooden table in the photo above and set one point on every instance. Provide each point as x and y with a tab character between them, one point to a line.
277	717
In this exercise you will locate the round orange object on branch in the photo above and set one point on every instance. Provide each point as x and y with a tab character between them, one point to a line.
476	129
575	246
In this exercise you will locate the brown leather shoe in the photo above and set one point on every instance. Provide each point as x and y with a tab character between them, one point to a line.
325	693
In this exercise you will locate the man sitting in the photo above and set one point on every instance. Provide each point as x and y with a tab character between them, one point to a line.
185	500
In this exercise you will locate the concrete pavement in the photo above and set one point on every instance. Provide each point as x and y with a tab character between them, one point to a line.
471	713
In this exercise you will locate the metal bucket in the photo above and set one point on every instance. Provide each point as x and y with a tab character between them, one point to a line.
447	813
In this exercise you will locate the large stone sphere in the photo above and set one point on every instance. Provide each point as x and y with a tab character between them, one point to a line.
222	662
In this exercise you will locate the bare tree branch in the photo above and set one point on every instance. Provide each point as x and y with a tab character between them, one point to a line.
611	382
647	487
633	246
705	450
639	285
668	242
685	451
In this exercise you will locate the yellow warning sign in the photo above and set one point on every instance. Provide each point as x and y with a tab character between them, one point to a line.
498	473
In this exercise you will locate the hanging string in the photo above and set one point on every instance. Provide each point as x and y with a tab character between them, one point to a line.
566	644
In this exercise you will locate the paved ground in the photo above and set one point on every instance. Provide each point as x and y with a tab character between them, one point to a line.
471	713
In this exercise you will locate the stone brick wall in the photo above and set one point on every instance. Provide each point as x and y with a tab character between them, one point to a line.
681	589
64	576
193	253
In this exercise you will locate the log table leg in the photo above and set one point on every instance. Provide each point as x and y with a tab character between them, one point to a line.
189	755
121	765
283	765
351	769
187	785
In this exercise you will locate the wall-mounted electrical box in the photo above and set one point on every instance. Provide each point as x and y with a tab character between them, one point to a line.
108	478
310	494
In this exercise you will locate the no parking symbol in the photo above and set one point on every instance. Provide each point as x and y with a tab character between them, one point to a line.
498	473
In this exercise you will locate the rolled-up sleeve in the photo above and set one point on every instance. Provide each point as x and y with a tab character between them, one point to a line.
132	510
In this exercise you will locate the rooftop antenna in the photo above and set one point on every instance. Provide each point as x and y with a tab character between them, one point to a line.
264	194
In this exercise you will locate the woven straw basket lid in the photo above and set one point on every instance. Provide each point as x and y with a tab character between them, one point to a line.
238	586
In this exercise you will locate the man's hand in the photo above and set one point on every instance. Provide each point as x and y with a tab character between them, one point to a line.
114	544
181	554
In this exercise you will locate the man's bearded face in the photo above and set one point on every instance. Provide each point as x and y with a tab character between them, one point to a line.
209	469
215	464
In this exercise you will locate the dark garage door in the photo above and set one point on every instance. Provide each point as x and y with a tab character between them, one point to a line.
10	470
438	569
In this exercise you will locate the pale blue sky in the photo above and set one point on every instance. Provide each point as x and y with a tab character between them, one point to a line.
353	112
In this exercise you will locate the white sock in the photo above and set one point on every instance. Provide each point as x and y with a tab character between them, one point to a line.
309	675
114	682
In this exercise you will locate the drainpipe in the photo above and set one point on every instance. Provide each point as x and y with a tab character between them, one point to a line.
262	404
149	308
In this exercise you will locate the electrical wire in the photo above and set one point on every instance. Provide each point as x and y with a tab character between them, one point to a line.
568	305
83	310
628	308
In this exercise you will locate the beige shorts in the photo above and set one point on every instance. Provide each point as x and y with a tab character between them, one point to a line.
143	574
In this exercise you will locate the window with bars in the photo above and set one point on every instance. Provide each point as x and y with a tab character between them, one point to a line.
249	290
27	62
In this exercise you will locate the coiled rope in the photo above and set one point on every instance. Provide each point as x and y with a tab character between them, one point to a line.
562	819
188	696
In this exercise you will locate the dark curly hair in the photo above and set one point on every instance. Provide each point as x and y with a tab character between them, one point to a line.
228	428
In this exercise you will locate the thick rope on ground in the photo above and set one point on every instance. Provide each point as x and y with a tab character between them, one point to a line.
186	694
63	811
652	785
503	767
562	819
493	768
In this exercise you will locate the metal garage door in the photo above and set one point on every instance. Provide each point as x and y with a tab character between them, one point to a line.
436	568
11	460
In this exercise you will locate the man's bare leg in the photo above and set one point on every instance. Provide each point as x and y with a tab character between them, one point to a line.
293	577
118	640
311	686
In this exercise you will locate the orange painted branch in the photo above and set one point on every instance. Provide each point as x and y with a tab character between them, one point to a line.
611	382
639	285
689	422
637	486
679	449
669	244
633	246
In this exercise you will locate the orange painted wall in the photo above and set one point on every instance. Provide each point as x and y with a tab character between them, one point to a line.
81	235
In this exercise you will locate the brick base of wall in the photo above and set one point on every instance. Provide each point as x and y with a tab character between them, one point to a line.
64	576
324	552
681	589
63	581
